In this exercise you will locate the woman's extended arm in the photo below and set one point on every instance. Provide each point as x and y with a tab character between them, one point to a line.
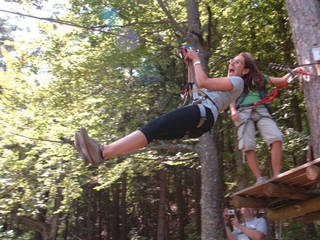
279	80
203	81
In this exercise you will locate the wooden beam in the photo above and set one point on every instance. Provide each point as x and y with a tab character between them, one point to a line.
285	191
311	217
239	201
313	172
295	210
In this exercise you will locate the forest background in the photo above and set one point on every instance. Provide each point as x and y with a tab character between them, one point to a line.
111	66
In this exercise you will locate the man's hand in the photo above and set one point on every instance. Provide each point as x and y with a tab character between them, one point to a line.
225	215
235	222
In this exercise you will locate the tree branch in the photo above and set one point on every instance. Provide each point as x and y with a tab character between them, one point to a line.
63	139
174	23
31	223
96	28
209	27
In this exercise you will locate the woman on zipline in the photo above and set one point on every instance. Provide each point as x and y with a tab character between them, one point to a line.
186	121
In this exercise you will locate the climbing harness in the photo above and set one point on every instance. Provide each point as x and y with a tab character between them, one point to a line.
270	97
250	118
252	107
267	99
195	93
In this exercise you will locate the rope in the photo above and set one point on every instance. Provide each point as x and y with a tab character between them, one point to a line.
289	69
270	97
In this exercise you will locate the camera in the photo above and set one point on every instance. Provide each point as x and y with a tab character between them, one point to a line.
184	49
231	212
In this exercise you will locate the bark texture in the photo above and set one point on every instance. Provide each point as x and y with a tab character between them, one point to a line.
304	17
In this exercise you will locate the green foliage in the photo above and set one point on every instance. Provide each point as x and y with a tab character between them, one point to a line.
112	75
134	235
10	235
297	230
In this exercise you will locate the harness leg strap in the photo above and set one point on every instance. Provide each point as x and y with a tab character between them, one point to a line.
203	117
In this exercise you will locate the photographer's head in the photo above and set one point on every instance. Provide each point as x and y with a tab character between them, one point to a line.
243	213
248	213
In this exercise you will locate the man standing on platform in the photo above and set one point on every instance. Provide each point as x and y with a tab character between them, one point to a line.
252	228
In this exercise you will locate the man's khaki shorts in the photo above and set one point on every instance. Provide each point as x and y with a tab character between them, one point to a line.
250	118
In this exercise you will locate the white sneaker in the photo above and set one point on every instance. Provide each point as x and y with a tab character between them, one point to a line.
260	180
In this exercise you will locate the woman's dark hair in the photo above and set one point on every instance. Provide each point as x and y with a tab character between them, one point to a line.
253	80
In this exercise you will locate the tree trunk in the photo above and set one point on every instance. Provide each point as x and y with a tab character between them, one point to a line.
180	204
108	224
116	213
89	223
41	217
66	228
304	17
162	233
297	123
310	231
211	190
49	229
123	208
211	194
196	220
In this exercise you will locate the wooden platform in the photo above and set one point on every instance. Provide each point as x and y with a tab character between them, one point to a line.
291	194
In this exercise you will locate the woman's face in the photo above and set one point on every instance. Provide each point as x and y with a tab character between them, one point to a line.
237	66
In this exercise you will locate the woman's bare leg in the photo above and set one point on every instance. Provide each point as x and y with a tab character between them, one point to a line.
276	157
129	143
253	163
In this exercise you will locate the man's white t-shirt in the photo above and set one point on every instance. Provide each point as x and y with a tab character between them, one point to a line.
258	224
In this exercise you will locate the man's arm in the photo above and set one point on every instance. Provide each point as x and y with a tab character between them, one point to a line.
229	234
253	234
227	226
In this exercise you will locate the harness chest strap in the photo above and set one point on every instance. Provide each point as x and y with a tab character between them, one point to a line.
194	94
201	96
198	95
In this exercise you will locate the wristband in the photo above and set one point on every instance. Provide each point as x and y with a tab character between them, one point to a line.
195	63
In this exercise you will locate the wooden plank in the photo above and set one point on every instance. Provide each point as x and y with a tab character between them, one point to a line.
295	210
296	177
238	201
311	217
285	191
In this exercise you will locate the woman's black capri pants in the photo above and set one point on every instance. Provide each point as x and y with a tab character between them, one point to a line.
177	124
